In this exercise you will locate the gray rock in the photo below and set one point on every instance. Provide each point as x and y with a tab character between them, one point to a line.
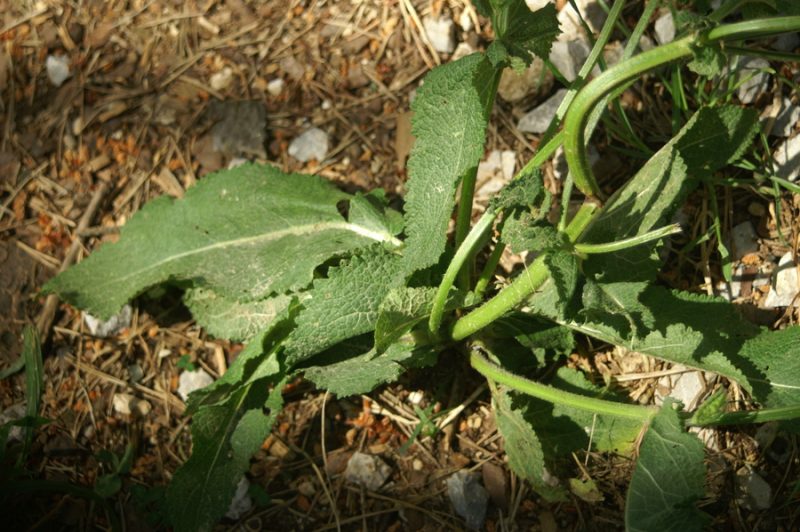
221	80
787	159
537	120
744	240
311	144
665	28
753	491
786	286
367	470
57	67
13	413
754	80
111	326
569	21
469	498
190	381
535	80
462	50
135	372
568	57
786	42
241	503
787	119
240	128
441	32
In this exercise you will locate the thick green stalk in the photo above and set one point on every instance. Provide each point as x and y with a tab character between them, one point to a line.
465	252
627	71
488	269
555	395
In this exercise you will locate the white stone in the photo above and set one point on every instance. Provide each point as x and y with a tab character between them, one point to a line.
275	86
416	397
744	240
222	79
533	5
241	503
688	388
465	21
462	50
665	28
570	23
441	33
568	57
236	162
508	162
787	119
57	69
312	144
536	79
367	470
787	159
123	403
786	286
110	327
753	80
190	381
495	172
537	120
754	492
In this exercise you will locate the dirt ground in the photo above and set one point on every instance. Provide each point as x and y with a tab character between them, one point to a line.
159	94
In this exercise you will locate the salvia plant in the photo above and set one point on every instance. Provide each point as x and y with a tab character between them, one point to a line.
350	293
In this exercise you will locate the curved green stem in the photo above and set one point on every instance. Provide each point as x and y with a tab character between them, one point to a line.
626	71
754	416
465	251
611	247
488	269
554	395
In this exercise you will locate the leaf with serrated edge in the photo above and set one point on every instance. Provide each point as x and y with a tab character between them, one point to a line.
345	304
669	478
229	319
245	233
522	446
451	111
353	375
224	438
530	32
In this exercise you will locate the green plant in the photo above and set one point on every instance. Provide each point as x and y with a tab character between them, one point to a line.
270	259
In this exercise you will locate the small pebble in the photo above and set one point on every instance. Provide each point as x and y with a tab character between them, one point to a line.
367	470
222	79
311	144
754	80
469	498
665	28
755	493
787	159
441	33
465	21
110	327
744	240
57	69
189	381
535	80
568	57
786	286
275	86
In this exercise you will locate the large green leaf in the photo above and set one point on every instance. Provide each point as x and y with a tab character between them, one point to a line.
244	233
451	111
711	139
224	438
519	31
668	480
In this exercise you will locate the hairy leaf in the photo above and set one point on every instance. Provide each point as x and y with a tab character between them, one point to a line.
244	233
345	304
525	192
521	31
404	308
522	445
227	318
451	111
346	374
711	139
563	268
523	233
669	478
224	438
